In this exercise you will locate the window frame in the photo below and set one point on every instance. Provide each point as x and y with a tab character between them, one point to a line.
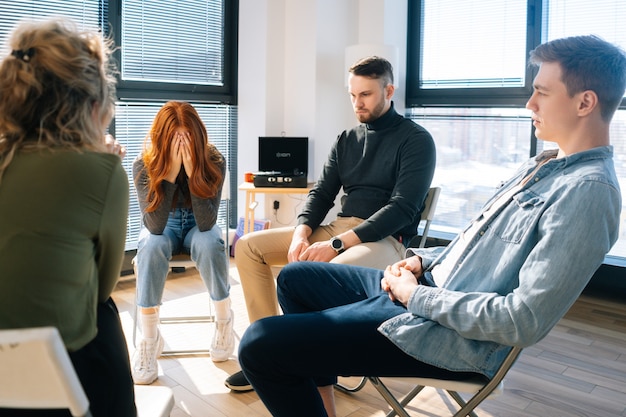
465	97
151	90
503	97
469	97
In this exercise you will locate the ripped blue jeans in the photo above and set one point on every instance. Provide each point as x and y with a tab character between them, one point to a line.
181	235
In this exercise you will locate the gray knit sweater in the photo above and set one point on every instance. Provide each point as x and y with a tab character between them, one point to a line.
176	196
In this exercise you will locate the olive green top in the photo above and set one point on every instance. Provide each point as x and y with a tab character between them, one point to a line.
62	232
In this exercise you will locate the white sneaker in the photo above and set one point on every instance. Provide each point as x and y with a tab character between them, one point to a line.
145	365
223	344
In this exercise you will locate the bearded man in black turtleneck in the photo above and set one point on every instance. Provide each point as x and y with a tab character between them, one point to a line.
385	166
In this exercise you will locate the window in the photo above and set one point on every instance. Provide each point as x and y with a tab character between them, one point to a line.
477	148
162	43
477	59
618	140
468	53
468	83
86	14
184	50
176	51
166	51
604	18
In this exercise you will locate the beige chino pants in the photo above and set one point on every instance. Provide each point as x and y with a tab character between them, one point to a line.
257	252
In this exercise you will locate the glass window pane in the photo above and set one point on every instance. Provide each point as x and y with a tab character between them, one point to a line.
476	150
84	14
618	140
173	42
473	44
604	18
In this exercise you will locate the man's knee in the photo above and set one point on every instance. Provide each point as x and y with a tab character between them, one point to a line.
245	245
294	270
260	340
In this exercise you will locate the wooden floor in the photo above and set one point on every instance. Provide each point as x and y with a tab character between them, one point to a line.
579	369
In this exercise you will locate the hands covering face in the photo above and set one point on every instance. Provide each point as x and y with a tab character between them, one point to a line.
180	154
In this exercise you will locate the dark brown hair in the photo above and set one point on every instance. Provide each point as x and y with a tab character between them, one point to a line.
374	67
588	63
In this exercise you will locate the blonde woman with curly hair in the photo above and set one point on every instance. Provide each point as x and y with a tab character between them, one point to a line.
64	203
179	179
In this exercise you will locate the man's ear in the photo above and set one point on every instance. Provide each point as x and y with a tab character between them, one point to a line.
588	102
389	90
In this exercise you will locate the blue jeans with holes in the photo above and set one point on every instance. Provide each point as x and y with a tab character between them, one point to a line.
181	235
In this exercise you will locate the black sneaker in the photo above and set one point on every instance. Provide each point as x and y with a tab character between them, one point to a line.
238	382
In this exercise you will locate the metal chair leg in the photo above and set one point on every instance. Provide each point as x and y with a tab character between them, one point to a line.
397	406
344	388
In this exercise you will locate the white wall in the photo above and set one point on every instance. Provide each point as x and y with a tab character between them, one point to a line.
292	76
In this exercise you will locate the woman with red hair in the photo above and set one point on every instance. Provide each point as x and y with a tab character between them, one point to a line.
179	178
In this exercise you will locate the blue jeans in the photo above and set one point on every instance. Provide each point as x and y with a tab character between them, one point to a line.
181	235
332	313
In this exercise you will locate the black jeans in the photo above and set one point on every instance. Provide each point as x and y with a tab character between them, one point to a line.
103	368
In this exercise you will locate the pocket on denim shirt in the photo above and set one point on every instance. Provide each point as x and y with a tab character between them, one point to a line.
519	217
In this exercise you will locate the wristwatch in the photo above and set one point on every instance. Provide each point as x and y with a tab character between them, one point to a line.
337	245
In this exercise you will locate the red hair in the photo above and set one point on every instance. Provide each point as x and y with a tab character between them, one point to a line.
207	161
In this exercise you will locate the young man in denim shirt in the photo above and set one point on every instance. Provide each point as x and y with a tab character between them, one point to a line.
505	281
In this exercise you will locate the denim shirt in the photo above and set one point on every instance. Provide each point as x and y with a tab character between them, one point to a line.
521	273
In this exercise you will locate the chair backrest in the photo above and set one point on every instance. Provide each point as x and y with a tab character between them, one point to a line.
226	186
226	198
37	372
429	212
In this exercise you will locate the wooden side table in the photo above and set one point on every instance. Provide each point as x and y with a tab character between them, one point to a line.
251	203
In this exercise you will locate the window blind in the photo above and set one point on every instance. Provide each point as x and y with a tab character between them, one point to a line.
448	36
473	43
180	43
85	14
604	18
173	41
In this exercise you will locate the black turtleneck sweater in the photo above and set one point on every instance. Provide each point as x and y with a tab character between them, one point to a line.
385	168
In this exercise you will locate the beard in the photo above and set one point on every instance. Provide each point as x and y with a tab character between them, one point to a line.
372	115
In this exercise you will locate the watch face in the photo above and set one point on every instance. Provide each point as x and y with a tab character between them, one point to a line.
337	243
